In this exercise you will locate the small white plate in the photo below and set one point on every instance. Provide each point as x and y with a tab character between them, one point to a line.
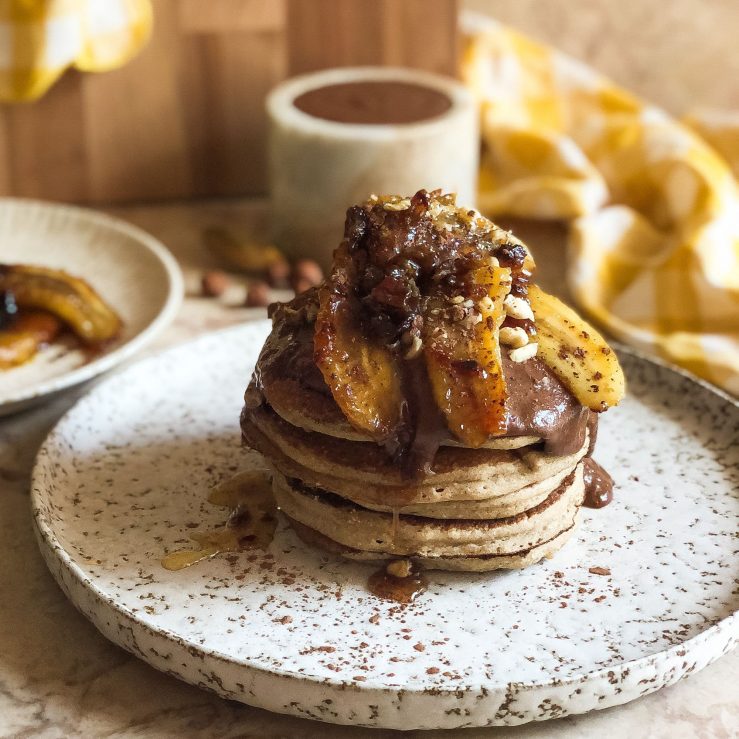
130	269
124	477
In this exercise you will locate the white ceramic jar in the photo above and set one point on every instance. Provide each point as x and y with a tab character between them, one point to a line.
319	166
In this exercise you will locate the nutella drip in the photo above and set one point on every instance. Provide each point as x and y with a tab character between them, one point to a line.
537	404
598	485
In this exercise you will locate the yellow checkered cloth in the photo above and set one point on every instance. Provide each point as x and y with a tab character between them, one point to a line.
653	208
39	39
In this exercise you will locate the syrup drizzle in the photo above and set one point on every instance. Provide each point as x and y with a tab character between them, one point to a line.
400	589
251	522
394	527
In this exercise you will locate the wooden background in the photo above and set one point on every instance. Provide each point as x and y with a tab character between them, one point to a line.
185	118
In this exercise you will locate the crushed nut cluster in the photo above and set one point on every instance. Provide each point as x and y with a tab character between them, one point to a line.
516	337
447	216
399	568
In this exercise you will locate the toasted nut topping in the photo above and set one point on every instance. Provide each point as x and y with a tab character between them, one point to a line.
524	352
457	299
400	205
311	313
474	318
399	568
414	349
486	304
518	308
513	336
457	313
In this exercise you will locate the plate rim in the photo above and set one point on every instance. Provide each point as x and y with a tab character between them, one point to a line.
175	288
50	545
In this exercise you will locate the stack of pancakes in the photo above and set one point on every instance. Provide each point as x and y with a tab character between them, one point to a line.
507	504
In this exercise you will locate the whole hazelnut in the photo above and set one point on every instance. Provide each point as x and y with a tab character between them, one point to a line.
307	273
301	285
278	273
257	295
214	283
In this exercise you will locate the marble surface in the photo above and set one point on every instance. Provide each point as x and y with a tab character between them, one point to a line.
60	678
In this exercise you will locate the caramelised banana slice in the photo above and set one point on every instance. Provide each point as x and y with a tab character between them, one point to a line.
240	251
463	355
576	352
28	332
69	298
361	373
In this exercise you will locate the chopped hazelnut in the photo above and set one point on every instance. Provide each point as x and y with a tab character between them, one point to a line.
399	568
402	204
524	352
513	336
414	348
311	313
517	307
486	304
457	313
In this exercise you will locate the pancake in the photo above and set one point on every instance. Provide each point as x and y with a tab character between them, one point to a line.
480	563
310	410
499	507
407	535
363	472
538	406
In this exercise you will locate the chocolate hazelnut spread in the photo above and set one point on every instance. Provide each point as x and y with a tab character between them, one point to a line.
374	102
598	485
537	404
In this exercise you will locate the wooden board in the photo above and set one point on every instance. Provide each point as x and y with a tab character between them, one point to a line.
186	117
340	33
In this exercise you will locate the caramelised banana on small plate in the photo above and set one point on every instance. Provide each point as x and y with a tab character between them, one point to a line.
79	292
37	304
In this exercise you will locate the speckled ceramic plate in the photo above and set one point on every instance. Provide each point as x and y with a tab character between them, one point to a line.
127	266
124	477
